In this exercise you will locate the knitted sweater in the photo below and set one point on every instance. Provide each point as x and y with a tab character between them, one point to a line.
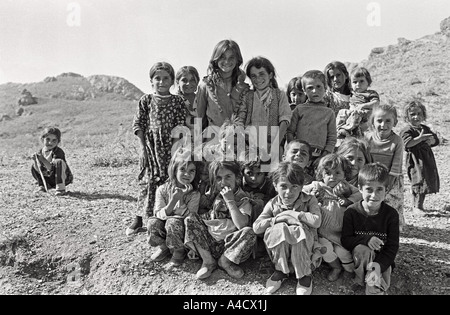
314	123
359	227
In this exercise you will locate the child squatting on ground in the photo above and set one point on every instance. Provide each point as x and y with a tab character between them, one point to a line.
371	232
50	169
289	222
174	201
334	194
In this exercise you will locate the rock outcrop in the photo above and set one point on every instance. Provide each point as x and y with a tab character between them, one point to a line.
27	99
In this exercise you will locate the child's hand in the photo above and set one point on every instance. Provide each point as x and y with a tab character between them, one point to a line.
227	194
375	243
143	158
344	202
342	189
288	218
424	136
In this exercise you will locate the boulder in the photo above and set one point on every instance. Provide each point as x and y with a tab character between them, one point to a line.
27	99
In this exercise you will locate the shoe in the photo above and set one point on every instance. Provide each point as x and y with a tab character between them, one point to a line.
205	271
178	257
334	274
60	193
161	253
135	227
275	281
233	270
302	288
356	287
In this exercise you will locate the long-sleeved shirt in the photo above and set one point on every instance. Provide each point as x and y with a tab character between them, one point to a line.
189	205
359	227
388	152
214	103
314	123
332	212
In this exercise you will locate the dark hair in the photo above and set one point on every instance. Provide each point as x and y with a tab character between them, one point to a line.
351	143
341	67
332	161
362	72
386	108
288	146
187	69
233	166
292	171
411	105
261	62
294	83
219	50
183	157
162	66
53	131
314	74
373	172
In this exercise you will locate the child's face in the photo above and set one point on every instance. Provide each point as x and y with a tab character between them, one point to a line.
186	174
188	84
50	142
227	62
297	96
357	160
260	78
337	78
383	122
332	176
373	193
253	177
360	84
225	177
415	116
287	191
314	89
161	82
298	153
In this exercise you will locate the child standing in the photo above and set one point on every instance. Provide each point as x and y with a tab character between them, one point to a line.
289	222
187	79
371	231
421	165
339	86
266	105
223	236
314	122
295	93
50	168
174	201
157	114
334	194
356	151
220	93
386	147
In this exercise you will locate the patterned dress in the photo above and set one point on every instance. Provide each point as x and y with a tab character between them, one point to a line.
156	117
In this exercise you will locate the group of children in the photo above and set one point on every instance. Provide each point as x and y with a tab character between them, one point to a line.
336	196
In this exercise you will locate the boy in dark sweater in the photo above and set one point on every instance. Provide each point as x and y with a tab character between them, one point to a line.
371	231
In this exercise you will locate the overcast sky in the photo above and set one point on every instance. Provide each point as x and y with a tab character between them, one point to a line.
40	38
